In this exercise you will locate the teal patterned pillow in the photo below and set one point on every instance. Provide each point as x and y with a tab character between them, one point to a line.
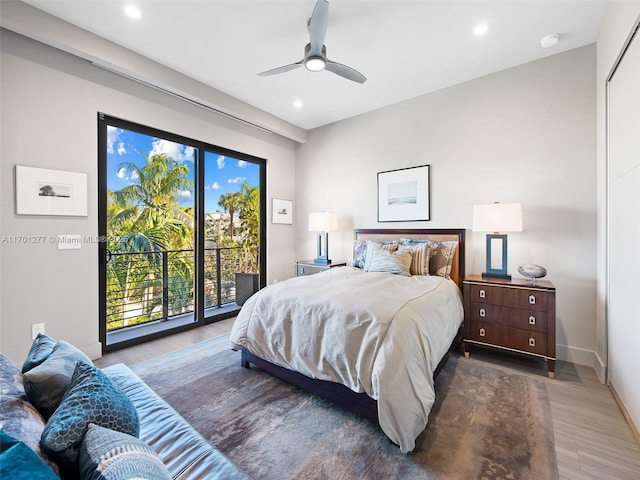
40	350
92	397
45	384
109	455
19	462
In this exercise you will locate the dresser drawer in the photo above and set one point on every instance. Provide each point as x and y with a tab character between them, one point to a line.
510	297
307	269
513	338
513	317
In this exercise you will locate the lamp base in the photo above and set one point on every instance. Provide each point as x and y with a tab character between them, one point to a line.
505	276
322	261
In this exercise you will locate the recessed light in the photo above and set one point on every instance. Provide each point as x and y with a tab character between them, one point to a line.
550	40
132	11
481	29
297	103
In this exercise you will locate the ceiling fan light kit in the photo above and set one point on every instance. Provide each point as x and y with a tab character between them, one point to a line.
315	53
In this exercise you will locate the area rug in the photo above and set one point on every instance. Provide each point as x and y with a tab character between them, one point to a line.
485	424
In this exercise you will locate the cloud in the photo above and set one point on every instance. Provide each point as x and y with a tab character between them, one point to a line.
113	134
121	149
177	151
237	180
183	196
221	162
122	174
242	164
213	186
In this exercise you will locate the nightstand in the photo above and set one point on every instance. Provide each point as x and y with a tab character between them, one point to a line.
514	315
307	267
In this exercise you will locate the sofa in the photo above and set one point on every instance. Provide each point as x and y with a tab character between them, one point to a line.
62	417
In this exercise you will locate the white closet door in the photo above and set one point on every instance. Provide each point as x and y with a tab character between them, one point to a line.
624	229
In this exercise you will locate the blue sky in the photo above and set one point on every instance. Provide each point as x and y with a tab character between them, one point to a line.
222	174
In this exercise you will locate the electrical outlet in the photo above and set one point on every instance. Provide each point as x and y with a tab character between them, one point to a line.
36	328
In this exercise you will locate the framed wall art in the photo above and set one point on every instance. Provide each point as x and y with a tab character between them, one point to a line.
403	195
282	211
40	191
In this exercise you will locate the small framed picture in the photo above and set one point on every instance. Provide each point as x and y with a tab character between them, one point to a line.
403	195
282	211
40	191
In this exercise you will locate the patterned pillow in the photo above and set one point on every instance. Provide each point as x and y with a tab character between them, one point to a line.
413	241
109	455
18	418
45	384
380	259
360	251
92	397
18	462
441	258
40	350
419	257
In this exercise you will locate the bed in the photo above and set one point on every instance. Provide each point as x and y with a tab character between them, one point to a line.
363	338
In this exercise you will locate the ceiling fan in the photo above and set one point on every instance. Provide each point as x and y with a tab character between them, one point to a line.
315	53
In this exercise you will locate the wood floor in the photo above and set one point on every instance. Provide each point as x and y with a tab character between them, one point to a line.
593	440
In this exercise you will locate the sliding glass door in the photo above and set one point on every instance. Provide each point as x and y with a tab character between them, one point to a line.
179	220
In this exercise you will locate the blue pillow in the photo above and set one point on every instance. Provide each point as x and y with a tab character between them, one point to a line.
92	397
19	462
45	384
109	455
40	350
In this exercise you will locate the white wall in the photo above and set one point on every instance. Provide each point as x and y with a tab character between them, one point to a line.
616	333
50	102
526	134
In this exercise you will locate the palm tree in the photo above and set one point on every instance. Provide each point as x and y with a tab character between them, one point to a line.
230	202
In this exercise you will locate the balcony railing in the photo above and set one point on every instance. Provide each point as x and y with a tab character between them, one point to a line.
145	287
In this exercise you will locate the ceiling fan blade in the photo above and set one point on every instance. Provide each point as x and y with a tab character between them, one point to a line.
285	68
345	71
317	26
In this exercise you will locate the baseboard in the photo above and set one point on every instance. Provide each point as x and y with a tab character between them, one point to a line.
600	367
626	415
92	351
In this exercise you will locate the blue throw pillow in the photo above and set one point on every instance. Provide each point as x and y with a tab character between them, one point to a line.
109	455
45	384
19	462
92	397
40	350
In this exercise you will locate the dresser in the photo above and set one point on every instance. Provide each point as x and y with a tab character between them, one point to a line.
307	267
515	315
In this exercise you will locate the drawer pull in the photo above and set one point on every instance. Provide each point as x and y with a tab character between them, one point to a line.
482	332
532	320
482	294
532	299
532	342
482	312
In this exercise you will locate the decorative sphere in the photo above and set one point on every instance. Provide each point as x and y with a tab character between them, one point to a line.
531	270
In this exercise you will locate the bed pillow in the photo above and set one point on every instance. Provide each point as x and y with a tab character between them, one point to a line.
380	259
19	462
441	258
360	251
92	397
18	418
109	455
419	257
40	350
45	384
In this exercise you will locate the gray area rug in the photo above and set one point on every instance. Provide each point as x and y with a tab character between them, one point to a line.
485	424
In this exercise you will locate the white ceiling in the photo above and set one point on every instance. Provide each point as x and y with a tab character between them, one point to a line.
404	48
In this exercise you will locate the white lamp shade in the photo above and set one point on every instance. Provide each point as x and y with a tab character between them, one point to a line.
323	221
497	217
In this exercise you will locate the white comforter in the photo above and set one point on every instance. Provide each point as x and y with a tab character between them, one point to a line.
377	333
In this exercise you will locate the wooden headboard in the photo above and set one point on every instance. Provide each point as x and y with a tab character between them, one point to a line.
434	234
